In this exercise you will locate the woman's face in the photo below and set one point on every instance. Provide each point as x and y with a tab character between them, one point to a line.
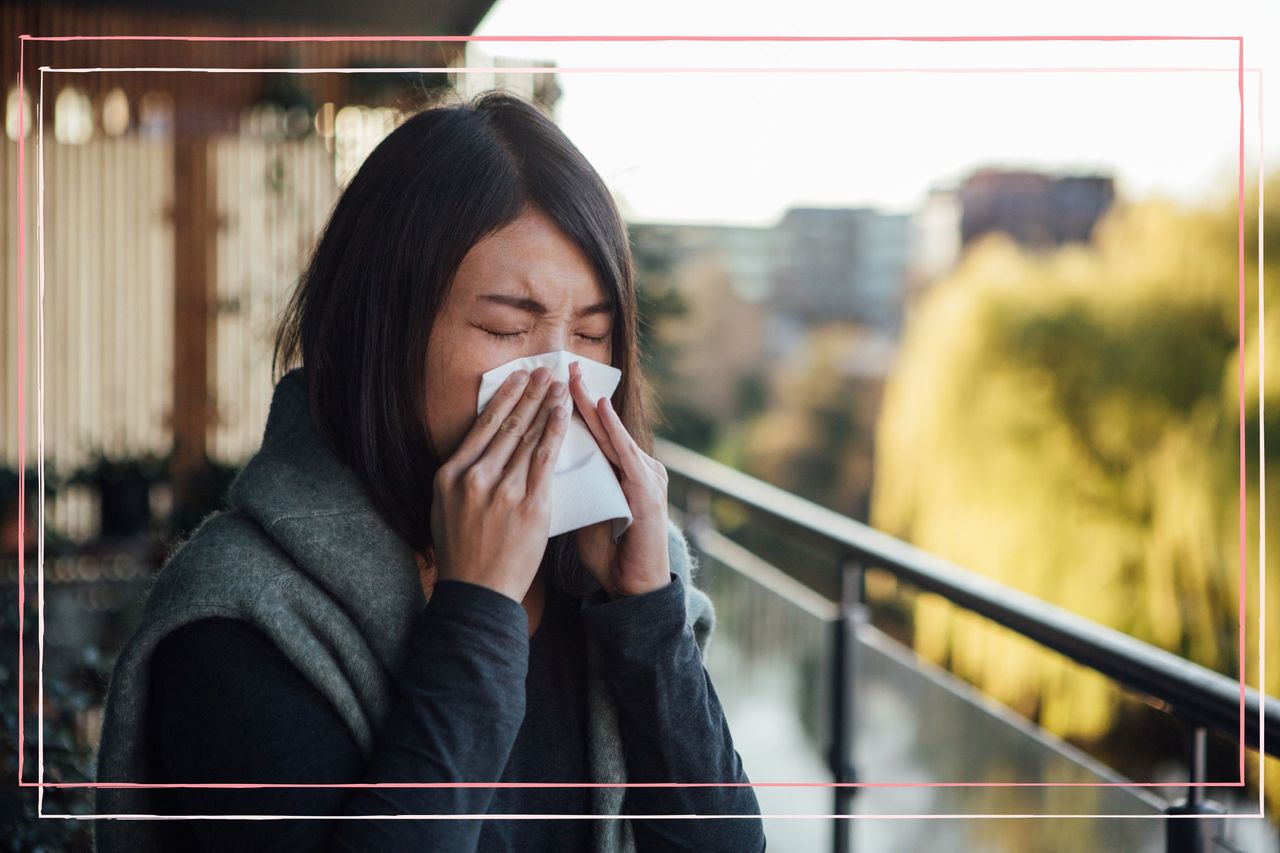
523	290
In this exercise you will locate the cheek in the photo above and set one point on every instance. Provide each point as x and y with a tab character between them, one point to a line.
450	395
454	368
448	417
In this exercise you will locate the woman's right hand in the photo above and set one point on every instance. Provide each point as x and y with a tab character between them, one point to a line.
491	510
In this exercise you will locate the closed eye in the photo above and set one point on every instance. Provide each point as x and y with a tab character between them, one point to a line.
508	335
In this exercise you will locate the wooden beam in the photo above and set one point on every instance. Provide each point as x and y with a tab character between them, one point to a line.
195	224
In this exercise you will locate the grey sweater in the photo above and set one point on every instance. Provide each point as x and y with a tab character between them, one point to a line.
302	554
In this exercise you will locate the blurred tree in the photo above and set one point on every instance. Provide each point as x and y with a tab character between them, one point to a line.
753	395
1068	424
813	434
658	301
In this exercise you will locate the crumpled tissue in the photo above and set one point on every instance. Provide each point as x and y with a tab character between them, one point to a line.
584	487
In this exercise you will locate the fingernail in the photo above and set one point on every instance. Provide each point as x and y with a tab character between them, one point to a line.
556	389
518	377
542	376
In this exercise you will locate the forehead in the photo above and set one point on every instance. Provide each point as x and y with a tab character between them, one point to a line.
530	257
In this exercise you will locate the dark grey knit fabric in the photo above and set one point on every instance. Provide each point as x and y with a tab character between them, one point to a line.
302	554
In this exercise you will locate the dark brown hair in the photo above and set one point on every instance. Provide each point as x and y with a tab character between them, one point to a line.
365	306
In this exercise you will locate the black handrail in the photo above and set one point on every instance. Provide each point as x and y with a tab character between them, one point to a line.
1199	695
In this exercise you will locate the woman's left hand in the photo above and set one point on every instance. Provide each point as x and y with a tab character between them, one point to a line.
638	562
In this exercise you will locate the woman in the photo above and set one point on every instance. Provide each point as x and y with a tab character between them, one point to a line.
381	602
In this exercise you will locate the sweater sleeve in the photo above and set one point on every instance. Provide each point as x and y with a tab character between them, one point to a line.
673	727
228	706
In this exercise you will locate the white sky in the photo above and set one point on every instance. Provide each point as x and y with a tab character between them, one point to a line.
741	148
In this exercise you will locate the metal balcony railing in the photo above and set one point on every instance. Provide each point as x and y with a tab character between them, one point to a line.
1204	700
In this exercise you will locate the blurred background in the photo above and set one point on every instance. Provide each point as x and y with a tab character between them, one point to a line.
981	298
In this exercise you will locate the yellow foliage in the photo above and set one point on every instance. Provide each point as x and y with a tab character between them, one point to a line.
1068	424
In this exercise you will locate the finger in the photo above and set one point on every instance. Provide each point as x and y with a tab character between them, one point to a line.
651	479
546	453
624	446
517	470
490	418
587	407
517	423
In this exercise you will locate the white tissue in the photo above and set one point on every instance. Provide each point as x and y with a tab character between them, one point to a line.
584	488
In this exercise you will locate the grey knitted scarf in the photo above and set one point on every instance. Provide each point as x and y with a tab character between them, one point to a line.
302	554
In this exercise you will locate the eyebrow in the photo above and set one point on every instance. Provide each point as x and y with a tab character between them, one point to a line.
533	306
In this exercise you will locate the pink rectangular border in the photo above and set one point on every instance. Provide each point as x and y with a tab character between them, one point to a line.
21	354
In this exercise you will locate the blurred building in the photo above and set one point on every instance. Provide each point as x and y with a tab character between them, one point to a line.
841	264
1037	210
747	253
935	240
754	295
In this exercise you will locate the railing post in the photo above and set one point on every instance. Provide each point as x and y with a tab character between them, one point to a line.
844	706
1185	834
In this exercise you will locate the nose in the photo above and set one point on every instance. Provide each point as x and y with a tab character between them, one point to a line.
549	341
549	337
